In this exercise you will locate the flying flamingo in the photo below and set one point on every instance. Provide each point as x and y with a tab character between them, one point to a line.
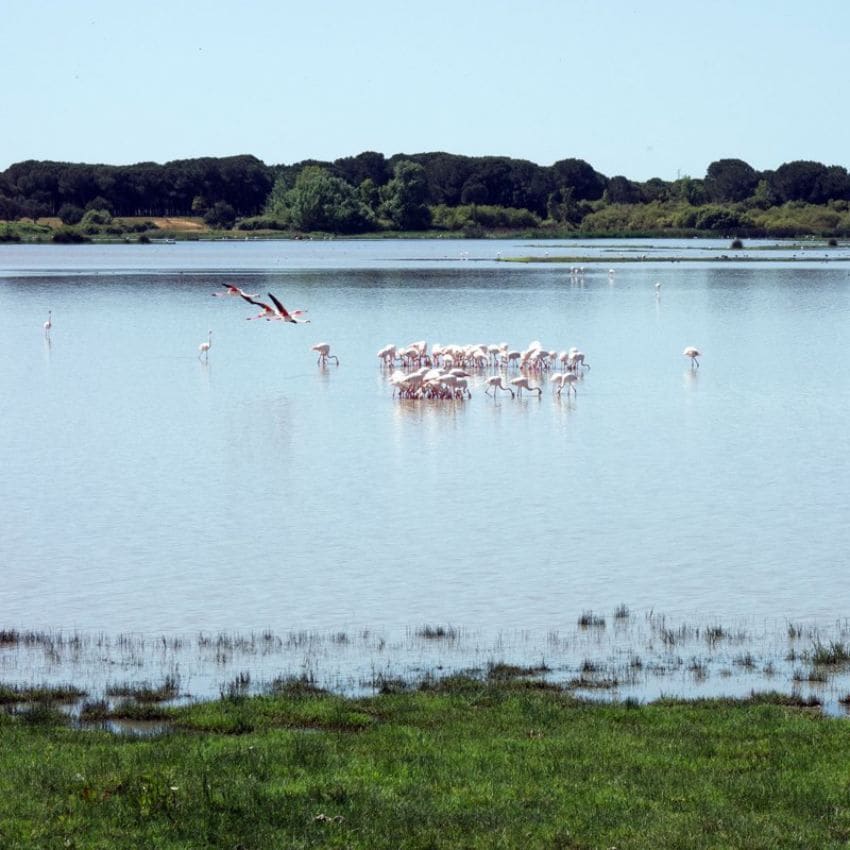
693	353
49	323
521	384
324	350
204	348
232	289
497	384
278	312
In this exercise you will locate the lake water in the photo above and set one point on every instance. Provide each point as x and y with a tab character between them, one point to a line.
144	490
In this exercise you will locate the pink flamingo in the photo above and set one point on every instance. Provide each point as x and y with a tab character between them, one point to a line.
562	379
497	384
204	347
324	350
693	353
521	384
232	289
278	312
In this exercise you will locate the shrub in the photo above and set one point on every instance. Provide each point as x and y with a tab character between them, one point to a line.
68	237
96	217
220	214
70	214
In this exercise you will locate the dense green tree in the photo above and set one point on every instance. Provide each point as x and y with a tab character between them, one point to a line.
832	185
321	201
576	174
797	181
404	197
688	190
730	180
621	190
365	166
654	189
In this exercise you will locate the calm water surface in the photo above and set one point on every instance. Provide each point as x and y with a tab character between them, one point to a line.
144	490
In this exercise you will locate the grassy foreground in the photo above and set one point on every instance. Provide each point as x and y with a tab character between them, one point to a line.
459	764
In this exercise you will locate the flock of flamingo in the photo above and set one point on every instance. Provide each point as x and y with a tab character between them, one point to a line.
444	372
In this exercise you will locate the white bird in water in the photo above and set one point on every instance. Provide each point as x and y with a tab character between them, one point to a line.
521	384
278	312
232	289
657	288
49	323
562	379
693	353
497	383
204	348
324	350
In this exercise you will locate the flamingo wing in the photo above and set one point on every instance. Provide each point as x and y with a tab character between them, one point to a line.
255	303
281	309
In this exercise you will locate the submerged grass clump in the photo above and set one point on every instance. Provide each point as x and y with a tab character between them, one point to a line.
832	654
590	620
430	632
169	689
13	694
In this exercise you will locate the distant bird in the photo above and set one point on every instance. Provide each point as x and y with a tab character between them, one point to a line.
278	312
49	323
231	289
693	353
521	384
324	350
497	383
204	348
657	287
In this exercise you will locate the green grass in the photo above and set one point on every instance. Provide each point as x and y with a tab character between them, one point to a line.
462	763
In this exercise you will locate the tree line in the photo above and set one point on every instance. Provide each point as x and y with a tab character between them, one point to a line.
415	192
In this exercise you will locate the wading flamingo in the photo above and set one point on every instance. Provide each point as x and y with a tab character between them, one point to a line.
204	347
497	383
693	353
521	384
49	323
324	350
562	379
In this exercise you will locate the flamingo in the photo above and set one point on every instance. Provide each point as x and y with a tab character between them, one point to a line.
278	312
693	353
498	384
232	289
49	323
575	359
564	378
521	384
204	347
324	350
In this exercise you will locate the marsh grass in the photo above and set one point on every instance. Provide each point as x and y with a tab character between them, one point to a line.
465	763
168	689
14	694
429	632
831	654
646	654
589	620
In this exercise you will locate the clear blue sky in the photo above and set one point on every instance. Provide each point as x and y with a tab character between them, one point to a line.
645	88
